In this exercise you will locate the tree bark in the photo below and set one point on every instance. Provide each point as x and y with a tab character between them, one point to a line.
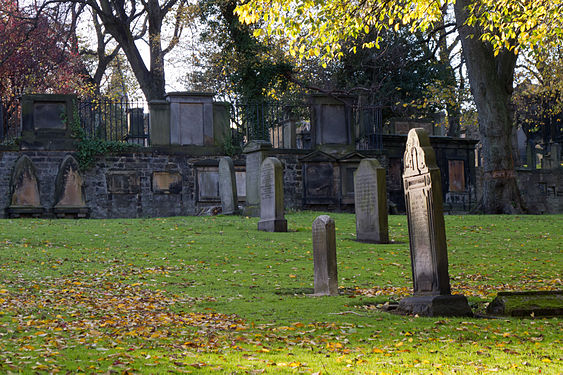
491	81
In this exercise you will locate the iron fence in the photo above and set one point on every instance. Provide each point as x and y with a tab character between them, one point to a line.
288	125
115	120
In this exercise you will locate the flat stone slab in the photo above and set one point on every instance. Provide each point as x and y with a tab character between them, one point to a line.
535	303
437	305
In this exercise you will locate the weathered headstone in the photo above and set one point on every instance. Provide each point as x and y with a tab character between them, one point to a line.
24	187
256	151
427	234
228	186
371	202
271	197
69	191
324	254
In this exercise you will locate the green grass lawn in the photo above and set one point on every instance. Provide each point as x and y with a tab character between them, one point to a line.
214	295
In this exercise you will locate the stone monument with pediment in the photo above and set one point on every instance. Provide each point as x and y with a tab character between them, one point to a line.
427	234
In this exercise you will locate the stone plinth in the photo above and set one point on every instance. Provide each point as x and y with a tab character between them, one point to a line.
271	197
46	122
371	202
191	118
427	234
324	255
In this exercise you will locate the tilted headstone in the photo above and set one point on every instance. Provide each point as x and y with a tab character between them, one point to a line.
228	186
324	254
271	197
370	200
24	187
427	234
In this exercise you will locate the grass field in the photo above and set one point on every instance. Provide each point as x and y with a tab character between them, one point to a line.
214	295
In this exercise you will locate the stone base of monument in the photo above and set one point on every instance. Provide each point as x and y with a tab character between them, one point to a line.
367	239
277	225
251	211
440	305
24	211
71	212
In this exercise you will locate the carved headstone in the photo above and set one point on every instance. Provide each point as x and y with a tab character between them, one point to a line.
271	197
324	254
371	202
25	199
69	191
228	186
427	234
256	151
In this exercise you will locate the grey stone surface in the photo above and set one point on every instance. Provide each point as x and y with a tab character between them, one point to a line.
228	186
45	122
69	191
221	122
271	197
159	122
371	202
191	118
256	152
25	199
123	182
331	125
324	256
427	234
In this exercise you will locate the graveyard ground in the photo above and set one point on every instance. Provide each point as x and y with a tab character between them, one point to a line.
214	295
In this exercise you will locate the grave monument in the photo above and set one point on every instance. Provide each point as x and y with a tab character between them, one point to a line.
324	254
25	200
427	234
69	191
371	202
271	197
228	186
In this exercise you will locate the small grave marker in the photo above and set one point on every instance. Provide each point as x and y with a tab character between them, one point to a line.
324	254
427	234
371	202
228	186
271	197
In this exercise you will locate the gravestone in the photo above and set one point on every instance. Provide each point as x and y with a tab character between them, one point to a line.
166	182
191	118
228	186
324	254
69	191
25	199
271	197
256	151
371	202
427	234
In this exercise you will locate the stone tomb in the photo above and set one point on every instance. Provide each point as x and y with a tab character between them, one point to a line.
371	202
271	197
427	235
228	186
324	254
24	188
69	191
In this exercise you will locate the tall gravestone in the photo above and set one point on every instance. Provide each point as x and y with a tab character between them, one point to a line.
70	200
324	254
370	201
427	234
228	186
271	197
24	188
256	151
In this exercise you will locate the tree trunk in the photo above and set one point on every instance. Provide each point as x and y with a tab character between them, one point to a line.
491	78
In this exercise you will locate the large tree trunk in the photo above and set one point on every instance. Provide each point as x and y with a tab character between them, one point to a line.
491	79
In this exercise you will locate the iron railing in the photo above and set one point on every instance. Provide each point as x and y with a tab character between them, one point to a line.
10	121
115	120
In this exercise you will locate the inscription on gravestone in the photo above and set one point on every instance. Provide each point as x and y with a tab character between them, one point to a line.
324	253
371	202
427	235
271	197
